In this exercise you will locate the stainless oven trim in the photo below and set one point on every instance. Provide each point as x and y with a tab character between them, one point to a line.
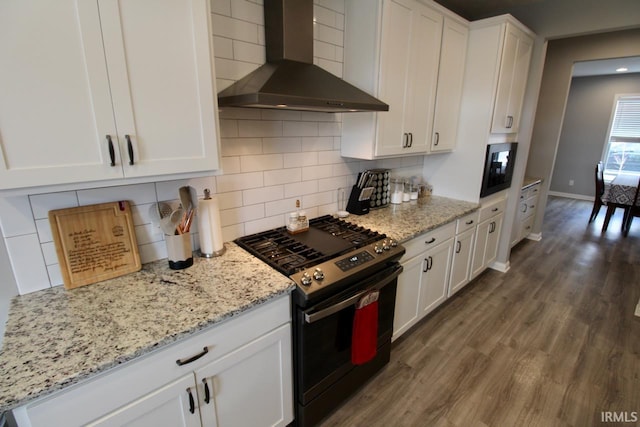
314	317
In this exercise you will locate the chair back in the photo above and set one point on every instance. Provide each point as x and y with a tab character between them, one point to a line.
636	199
599	180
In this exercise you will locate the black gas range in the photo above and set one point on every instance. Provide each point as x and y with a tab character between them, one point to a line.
326	258
336	265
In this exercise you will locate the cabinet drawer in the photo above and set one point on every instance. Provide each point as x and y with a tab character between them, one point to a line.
467	222
492	209
428	240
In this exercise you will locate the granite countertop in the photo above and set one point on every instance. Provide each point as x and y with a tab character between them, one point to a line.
57	337
529	181
410	219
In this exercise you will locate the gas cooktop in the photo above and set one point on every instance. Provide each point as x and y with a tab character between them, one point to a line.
327	238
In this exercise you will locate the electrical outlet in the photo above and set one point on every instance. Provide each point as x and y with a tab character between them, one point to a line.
571	183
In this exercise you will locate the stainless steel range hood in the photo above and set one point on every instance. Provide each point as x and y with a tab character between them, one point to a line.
289	79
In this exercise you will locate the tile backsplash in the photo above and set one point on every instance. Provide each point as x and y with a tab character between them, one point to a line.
270	158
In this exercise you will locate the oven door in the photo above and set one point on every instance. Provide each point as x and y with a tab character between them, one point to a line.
323	334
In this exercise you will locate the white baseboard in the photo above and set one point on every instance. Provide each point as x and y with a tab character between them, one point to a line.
536	237
571	195
502	267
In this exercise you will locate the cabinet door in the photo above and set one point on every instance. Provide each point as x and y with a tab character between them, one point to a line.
407	296
162	84
479	248
435	280
450	79
55	107
173	405
514	68
493	237
251	386
461	263
410	48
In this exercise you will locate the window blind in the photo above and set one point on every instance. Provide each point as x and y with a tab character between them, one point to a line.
626	122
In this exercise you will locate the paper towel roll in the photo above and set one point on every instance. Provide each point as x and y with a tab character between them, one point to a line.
209	226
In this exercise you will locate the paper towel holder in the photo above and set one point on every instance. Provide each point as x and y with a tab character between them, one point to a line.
213	254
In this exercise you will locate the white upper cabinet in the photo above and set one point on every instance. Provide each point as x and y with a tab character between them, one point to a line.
514	69
394	50
450	79
103	90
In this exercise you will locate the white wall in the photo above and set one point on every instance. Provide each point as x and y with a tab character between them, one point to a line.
269	159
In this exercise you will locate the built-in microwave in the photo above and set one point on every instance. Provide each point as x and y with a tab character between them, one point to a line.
498	167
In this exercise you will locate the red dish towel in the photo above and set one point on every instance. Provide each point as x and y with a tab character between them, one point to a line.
364	337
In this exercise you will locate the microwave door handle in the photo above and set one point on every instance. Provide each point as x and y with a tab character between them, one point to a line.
314	317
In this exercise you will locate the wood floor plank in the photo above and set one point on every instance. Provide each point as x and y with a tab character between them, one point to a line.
552	342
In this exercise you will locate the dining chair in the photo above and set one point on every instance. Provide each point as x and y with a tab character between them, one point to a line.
633	211
597	202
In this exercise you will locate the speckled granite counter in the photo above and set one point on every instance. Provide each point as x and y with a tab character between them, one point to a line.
528	181
55	338
410	219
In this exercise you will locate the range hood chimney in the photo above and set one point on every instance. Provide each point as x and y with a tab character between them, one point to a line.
289	79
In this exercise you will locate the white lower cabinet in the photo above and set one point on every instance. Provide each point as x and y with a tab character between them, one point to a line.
243	378
422	286
526	213
462	252
485	248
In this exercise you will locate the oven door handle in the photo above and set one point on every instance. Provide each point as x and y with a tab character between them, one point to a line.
314	317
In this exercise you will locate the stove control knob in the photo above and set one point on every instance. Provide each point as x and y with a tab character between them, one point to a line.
306	279
318	274
393	243
377	249
385	245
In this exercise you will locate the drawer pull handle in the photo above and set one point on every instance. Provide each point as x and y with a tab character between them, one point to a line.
428	242
459	248
469	222
181	362
112	152
129	149
207	395
429	265
495	210
192	403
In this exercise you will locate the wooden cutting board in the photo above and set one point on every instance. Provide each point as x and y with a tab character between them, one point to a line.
94	242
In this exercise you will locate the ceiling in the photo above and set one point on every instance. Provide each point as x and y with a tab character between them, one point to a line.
534	12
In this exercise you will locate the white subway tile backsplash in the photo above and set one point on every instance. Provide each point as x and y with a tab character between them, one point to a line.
222	7
55	275
240	181
241	214
247	11
136	194
240	113
318	199
317	143
272	114
292	160
299	189
27	262
263	194
49	253
223	47
231	164
44	230
230	200
233	70
300	129
328	34
264	224
236	29
147	233
41	204
324	51
249	52
232	232
330	129
283	176
256	128
281	145
280	207
329	157
333	67
332	183
152	251
317	172
261	162
335	5
16	217
240	146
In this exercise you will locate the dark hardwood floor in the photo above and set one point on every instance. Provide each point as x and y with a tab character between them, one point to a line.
552	342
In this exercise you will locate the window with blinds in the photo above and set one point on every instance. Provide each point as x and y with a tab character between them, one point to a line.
622	154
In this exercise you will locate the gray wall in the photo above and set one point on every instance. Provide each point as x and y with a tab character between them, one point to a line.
554	89
584	130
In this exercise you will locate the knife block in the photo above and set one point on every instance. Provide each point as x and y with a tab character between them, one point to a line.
355	206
